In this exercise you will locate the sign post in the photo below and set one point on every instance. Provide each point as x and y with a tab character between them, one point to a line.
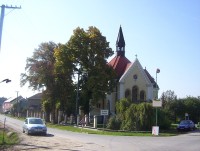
4	130
186	116
104	113
155	129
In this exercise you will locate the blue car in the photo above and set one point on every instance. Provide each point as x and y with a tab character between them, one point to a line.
186	125
34	125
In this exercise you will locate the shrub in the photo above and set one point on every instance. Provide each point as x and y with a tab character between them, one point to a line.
137	117
163	120
114	123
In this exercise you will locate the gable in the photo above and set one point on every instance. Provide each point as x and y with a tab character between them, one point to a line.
135	73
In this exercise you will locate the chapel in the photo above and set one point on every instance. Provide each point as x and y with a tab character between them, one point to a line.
133	81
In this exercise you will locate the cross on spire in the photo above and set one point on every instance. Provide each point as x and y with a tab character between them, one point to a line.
136	56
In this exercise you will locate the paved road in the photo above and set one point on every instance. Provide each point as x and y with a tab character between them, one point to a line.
90	142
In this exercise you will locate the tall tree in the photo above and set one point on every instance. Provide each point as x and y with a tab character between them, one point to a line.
39	68
90	51
40	72
168	96
64	70
192	106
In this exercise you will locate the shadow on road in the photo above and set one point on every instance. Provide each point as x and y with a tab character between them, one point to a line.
30	146
48	135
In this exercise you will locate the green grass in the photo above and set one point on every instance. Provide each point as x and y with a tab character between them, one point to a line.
7	141
101	131
108	132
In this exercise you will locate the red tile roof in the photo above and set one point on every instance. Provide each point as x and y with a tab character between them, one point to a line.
120	64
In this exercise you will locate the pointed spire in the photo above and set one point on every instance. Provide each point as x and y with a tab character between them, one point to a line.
120	43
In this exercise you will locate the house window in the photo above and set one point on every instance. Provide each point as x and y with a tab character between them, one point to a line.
134	93
127	93
142	95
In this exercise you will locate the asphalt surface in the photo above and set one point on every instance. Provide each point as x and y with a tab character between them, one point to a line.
184	142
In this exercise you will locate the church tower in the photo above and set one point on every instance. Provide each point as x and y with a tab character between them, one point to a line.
120	44
120	63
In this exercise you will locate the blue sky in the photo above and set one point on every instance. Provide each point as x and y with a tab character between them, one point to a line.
164	34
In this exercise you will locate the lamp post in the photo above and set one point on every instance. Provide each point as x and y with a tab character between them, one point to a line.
157	71
6	80
77	97
17	104
78	72
156	104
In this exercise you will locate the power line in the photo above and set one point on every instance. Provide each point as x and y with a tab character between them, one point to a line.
2	17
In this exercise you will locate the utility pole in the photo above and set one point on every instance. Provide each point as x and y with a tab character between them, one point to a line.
2	17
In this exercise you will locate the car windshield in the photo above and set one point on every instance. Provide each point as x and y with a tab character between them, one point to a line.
35	121
185	122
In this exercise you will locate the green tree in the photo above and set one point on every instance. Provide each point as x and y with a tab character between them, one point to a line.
168	96
176	109
64	66
53	67
46	106
192	106
40	67
90	51
40	72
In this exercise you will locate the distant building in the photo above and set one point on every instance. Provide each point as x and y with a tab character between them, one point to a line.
21	105
1	103
9	103
34	102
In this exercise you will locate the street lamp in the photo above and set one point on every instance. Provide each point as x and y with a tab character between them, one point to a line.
157	71
156	104
77	97
78	72
6	80
17	104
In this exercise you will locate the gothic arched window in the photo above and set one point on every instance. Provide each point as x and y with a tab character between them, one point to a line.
135	94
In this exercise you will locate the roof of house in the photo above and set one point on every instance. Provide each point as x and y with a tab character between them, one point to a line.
12	99
150	78
120	64
36	96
